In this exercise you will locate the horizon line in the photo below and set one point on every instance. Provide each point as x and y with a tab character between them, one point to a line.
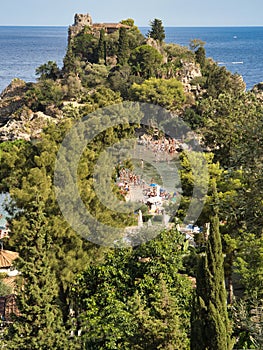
140	26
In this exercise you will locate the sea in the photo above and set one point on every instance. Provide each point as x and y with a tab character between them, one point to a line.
23	49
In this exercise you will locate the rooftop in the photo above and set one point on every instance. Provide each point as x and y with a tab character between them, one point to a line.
6	258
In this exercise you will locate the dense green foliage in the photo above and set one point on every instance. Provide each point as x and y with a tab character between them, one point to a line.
48	70
101	53
157	30
210	325
136	299
166	93
123	47
40	323
114	298
145	61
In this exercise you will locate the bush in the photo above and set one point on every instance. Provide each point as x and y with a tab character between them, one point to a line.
4	289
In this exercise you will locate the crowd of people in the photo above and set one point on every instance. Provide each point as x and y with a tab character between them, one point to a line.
162	147
151	193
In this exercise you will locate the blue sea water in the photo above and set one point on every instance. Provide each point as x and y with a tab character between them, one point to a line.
240	49
23	49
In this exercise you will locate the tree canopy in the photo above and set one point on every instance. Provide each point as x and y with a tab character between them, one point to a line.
165	93
157	31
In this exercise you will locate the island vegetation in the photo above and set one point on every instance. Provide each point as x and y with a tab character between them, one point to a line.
165	293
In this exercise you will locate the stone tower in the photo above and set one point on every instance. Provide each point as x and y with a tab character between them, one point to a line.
80	21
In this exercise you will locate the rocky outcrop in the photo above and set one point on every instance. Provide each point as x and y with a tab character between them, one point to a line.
258	91
17	121
28	126
157	46
11	99
187	74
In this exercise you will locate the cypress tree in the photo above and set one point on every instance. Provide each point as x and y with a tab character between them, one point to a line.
101	47
200	56
123	47
210	327
39	324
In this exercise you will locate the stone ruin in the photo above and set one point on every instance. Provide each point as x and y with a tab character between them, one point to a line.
85	20
80	22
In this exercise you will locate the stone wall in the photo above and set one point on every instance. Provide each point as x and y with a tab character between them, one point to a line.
80	22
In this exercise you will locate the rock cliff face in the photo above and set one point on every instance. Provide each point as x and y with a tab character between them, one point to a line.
16	120
28	126
11	99
186	74
158	47
188	71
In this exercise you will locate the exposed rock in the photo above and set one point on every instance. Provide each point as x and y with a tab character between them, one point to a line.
258	91
156	45
186	74
111	61
27	126
74	104
15	88
53	111
11	99
17	121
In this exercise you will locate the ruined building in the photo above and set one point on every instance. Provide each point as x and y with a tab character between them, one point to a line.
81	21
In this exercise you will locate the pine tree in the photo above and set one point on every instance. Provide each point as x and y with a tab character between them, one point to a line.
210	325
157	31
123	47
39	324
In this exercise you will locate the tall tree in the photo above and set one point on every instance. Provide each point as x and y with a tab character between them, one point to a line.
123	47
157	31
210	324
27	170
39	324
200	56
101	47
